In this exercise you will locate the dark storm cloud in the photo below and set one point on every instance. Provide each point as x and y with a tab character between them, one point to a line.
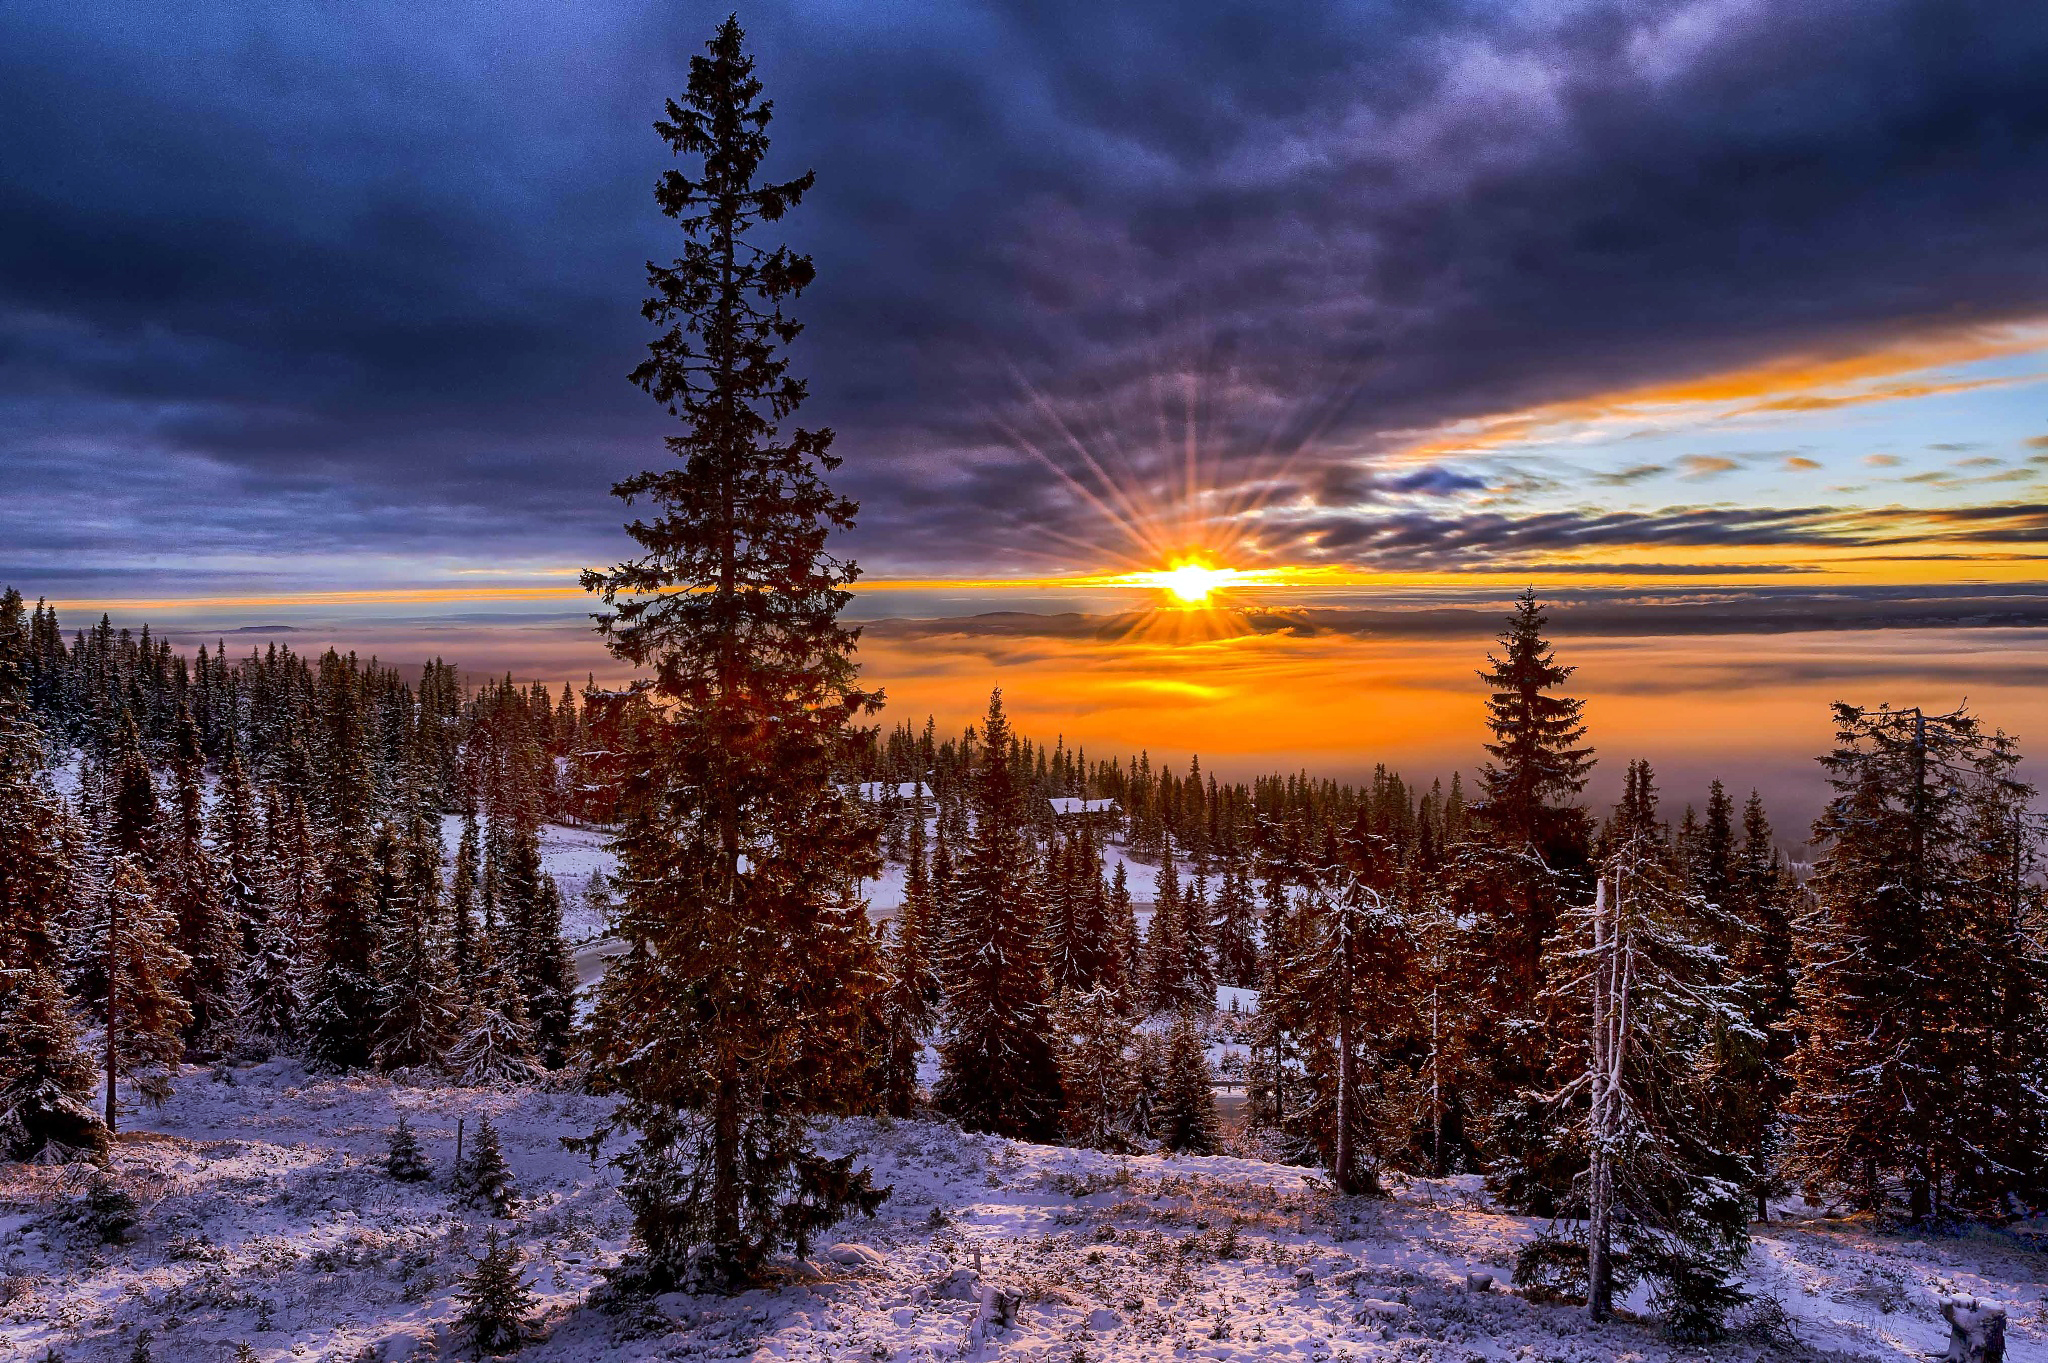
300	278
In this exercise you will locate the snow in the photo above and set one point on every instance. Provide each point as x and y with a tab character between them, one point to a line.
1231	998
269	1219
1068	805
872	791
572	855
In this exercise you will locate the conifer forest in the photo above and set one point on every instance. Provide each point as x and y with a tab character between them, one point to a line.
361	1011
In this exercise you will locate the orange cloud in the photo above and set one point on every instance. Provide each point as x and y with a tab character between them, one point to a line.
1791	383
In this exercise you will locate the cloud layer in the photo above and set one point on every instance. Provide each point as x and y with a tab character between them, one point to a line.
291	295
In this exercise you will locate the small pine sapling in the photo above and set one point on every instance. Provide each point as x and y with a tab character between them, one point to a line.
496	1301
484	1179
407	1162
109	1211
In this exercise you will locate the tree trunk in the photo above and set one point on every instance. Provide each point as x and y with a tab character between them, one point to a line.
1345	1175
1598	1269
113	1005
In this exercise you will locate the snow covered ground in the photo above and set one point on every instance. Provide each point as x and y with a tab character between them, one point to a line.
269	1221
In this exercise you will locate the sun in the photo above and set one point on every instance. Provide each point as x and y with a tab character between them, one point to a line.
1193	581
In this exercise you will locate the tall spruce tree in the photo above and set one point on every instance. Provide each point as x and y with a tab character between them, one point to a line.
142	1013
1911	929
34	869
1539	761
997	1067
1350	990
190	887
735	1012
1655	1196
46	1079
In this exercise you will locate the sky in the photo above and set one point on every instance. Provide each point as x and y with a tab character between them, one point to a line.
320	315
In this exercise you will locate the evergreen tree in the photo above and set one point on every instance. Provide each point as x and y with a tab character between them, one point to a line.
1658	1198
736	1010
1539	766
1900	949
143	1014
46	1080
1095	1070
903	1016
405	1160
235	832
34	870
1235	915
1122	973
483	1178
496	1302
190	888
341	1000
1185	1118
544	968
462	905
1349	991
920	935
997	1068
133	814
414	1013
494	1040
1166	942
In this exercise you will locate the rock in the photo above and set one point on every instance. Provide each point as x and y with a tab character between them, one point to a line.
1102	1320
1304	1277
674	1305
1976	1330
962	1284
920	1294
855	1256
1479	1282
904	1317
1378	1309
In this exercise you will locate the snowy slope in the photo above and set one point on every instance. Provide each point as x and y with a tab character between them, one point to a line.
270	1221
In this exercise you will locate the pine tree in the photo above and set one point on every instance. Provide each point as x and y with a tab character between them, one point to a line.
341	999
484	1179
493	1041
143	1014
1348	993
1185	1119
997	1068
209	937
1659	1198
34	870
1166	944
1122	972
405	1160
1530	788
496	1302
903	1016
1197	968
133	815
1898	953
46	1080
736	1010
235	833
1235	916
1095	1070
462	905
414	1013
